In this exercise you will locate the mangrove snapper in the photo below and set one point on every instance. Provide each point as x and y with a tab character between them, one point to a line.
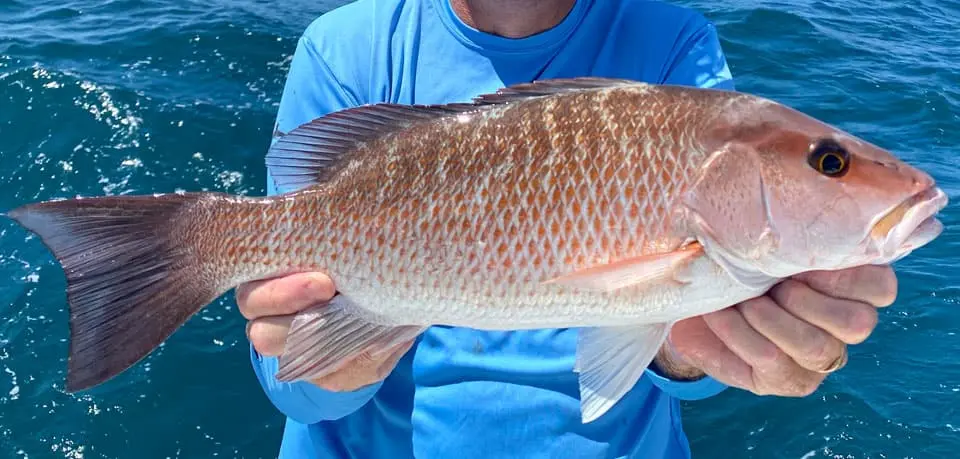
611	205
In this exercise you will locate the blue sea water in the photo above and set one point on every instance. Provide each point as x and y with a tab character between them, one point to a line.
124	96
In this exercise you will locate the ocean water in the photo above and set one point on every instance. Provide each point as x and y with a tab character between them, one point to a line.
123	96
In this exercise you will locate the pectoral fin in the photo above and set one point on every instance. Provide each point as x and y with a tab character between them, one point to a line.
632	271
611	361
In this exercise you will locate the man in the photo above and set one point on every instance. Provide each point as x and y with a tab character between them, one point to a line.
462	393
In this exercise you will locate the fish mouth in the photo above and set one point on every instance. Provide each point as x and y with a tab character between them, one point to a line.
911	224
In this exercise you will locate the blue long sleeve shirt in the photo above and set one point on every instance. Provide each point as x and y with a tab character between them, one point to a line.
464	393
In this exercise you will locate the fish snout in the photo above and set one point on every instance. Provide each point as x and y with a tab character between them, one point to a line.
923	183
920	180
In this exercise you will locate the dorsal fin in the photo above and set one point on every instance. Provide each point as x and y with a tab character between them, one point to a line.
524	91
309	153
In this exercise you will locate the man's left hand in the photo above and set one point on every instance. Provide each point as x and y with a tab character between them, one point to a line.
787	341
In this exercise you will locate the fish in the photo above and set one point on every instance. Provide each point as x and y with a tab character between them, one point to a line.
611	206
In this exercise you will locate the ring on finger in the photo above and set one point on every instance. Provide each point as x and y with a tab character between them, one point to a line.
837	364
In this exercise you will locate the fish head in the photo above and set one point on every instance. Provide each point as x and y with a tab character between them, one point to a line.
792	194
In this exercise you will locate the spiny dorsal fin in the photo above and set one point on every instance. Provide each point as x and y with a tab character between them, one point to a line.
308	154
524	91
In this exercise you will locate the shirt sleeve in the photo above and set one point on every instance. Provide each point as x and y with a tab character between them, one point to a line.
701	63
311	90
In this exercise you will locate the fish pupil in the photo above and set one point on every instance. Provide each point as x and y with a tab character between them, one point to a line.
831	163
829	158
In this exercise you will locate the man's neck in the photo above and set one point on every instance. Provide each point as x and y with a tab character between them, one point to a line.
512	18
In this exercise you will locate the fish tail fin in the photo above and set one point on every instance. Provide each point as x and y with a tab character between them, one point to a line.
133	276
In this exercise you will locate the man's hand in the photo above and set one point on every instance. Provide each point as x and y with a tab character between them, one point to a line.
787	341
270	306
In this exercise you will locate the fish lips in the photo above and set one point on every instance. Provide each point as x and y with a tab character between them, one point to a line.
907	226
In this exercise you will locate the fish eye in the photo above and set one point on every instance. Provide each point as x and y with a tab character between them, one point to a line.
829	158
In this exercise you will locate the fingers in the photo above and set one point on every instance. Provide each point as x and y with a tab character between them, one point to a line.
740	337
270	307
364	370
773	370
283	295
807	345
871	284
849	321
269	334
780	343
271	304
696	344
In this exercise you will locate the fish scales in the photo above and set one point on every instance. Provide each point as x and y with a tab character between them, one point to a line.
612	206
460	221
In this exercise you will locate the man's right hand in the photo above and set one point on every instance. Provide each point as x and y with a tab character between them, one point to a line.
270	306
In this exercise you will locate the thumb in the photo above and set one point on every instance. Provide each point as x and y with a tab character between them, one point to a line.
284	295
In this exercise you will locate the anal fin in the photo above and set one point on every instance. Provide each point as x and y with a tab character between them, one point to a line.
323	338
632	271
610	361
